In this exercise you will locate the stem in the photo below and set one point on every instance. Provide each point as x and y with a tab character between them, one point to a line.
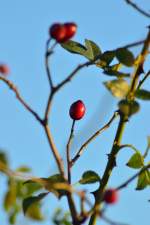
117	141
139	67
133	177
54	151
110	165
137	8
72	209
142	81
47	54
80	151
68	152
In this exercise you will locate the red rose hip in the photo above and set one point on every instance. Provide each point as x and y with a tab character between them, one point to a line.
71	29
77	110
58	32
4	69
111	196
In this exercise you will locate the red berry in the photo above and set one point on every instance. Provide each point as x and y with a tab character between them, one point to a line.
71	29
58	32
4	69
111	196
77	110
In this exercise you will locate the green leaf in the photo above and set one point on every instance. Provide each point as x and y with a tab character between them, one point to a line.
13	214
27	202
105	59
74	47
128	108
142	94
143	180
10	196
125	57
148	141
89	177
34	212
136	161
23	169
113	71
118	88
3	158
10	199
93	49
55	184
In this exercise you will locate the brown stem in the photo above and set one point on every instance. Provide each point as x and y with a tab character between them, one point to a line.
54	150
47	54
21	100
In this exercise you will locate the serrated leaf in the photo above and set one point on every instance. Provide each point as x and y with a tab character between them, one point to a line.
89	177
136	161
118	88
74	47
27	202
143	180
142	94
93	49
125	57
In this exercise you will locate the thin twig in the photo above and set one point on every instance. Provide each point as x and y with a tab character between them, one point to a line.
126	183
142	81
128	146
137	8
68	152
134	44
21	100
75	71
79	153
47	54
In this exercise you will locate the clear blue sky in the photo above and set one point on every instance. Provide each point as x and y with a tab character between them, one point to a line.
24	31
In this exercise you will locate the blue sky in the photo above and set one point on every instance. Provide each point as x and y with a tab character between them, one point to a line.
24	31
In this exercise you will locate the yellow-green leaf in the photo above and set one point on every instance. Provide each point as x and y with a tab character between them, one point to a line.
136	161
118	88
143	180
